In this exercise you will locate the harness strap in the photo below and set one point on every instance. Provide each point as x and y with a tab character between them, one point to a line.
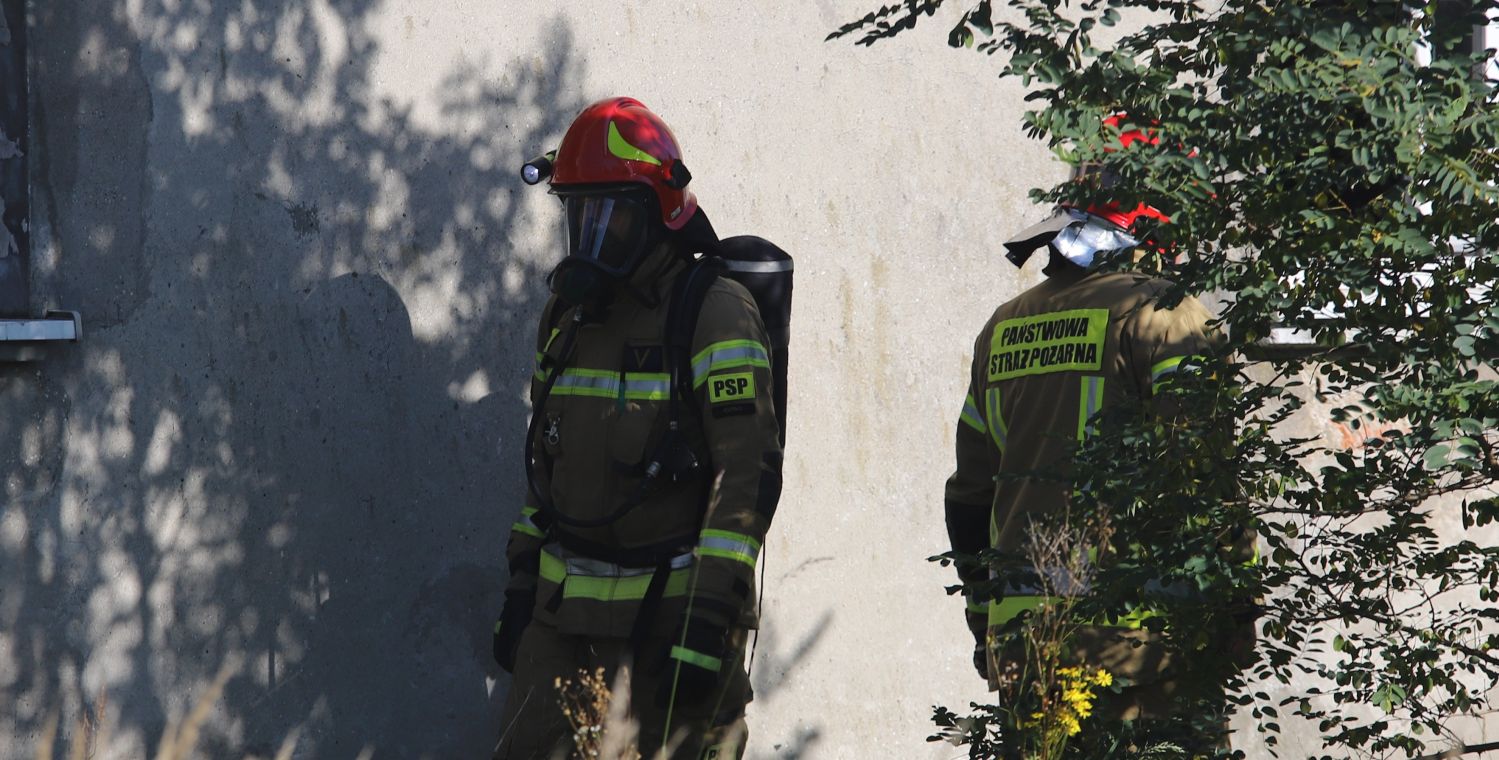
649	606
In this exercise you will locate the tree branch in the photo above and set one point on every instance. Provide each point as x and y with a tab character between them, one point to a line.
1466	749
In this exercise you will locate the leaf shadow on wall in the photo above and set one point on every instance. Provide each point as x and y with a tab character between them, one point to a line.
290	437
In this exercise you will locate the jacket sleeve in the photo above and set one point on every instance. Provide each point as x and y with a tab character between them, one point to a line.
969	496
523	550
1160	343
1164	344
732	383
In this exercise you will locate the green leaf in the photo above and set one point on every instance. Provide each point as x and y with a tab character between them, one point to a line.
1436	457
1388	697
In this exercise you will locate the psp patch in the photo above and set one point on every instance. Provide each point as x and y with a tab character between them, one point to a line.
732	394
738	386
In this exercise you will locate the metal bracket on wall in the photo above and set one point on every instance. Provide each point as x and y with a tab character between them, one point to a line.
23	336
24	340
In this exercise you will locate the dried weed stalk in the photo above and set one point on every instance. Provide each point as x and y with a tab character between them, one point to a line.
601	724
177	743
1064	554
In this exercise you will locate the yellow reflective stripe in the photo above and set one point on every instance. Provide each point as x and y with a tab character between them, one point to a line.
726	354
973	606
1089	402
539	375
723	750
970	416
1164	367
626	589
525	525
992	412
1132	620
1009	608
729	545
622	148
602	383
696	658
753	545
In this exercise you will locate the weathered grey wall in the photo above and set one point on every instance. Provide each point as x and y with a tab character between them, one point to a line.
290	438
309	272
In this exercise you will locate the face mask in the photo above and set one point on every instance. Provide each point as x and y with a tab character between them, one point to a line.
608	235
611	231
1075	235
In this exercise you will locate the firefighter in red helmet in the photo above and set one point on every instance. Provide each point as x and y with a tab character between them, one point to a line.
654	465
1044	366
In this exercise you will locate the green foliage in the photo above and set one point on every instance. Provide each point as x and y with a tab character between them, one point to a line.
1325	177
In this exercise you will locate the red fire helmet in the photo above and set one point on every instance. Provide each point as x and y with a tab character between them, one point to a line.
618	141
1110	210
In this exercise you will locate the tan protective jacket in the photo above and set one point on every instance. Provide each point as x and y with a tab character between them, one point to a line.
599	426
1044	364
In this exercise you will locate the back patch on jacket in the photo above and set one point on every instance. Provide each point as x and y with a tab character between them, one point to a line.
1055	342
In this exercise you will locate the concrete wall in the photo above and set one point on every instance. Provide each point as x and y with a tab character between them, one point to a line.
291	436
290	439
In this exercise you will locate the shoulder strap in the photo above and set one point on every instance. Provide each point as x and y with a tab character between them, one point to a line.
688	294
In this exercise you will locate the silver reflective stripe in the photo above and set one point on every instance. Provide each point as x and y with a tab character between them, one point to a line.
1090	401
1064	585
730	545
526	525
597	568
724	356
971	414
569	380
758	267
648	386
608	385
995	418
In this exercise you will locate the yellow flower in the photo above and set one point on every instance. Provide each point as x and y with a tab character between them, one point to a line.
1070	724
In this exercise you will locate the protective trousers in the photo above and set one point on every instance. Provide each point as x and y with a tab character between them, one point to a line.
534	727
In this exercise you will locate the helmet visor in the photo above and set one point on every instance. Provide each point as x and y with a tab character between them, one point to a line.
610	231
1095	174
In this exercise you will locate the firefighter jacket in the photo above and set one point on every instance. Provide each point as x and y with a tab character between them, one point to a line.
1044	364
601	422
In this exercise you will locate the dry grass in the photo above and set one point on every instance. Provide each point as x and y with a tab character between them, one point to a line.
179	742
601	724
599	714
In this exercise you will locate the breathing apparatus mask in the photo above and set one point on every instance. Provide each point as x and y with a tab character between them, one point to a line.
610	231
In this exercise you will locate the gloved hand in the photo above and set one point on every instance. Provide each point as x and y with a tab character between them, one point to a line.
514	618
978	625
694	662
